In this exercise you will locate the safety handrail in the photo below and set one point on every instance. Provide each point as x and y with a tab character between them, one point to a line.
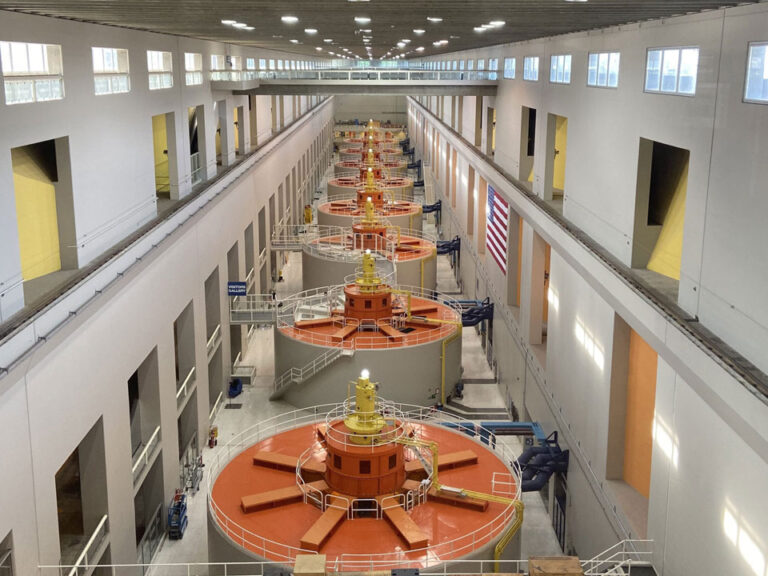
82	561
142	461
183	388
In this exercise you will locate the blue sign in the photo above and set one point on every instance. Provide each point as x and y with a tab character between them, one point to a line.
236	288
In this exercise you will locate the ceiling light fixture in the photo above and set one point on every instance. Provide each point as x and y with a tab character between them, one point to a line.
310	31
420	49
418	31
497	23
289	19
401	44
239	25
294	41
328	40
249	28
229	22
362	19
405	41
319	49
434	19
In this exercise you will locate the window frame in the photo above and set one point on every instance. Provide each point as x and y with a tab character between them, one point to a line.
663	50
33	77
526	59
567	59
193	71
513	60
750	45
110	75
161	74
609	53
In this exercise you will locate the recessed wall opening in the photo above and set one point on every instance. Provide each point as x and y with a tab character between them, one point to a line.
160	149
148	513
478	121
222	133
514	258
272	222
482	210
454	176
490	132
527	146
557	145
144	412
6	555
237	123
184	351
215	379
253	119
81	494
235	330
662	182
187	434
212	308
197	154
44	215
632	423
471	201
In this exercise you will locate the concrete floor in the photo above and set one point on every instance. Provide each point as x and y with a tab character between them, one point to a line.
480	393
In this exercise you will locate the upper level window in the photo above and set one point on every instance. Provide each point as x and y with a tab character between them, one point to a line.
603	69
470	64
672	70
271	64
160	66
110	71
481	64
279	64
461	64
757	73
493	66
509	68
218	62
455	65
31	72
250	63
560	69
193	67
531	68
262	64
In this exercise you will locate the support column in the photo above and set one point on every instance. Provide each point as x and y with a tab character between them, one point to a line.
531	285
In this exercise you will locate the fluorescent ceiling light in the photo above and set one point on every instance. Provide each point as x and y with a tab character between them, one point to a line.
362	19
434	19
418	31
405	41
420	49
319	49
289	19
328	40
229	22
310	31
239	25
479	29
249	28
497	23
294	41
401	44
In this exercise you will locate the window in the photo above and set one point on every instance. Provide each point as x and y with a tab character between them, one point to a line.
470	64
279	64
160	66
193	66
603	69
392	461
493	66
481	64
250	63
365	466
31	72
757	73
218	62
672	70
531	68
461	64
560	69
262	64
455	65
110	71
509	68
271	64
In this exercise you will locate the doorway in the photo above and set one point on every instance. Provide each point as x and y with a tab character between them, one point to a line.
197	153
160	150
557	139
527	146
490	132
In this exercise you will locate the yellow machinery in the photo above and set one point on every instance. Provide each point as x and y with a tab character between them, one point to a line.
365	422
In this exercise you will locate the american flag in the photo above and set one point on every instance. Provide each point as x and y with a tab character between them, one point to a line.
497	217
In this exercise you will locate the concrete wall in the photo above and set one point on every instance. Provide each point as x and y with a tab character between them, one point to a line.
410	375
79	376
378	107
703	516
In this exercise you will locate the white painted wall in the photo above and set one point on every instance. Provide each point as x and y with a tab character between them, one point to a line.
50	401
110	137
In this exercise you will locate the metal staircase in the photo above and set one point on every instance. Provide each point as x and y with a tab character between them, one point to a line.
299	375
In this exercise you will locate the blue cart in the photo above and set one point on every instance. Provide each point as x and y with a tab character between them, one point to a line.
177	516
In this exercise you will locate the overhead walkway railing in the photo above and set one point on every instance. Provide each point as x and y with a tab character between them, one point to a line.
355	74
253	309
